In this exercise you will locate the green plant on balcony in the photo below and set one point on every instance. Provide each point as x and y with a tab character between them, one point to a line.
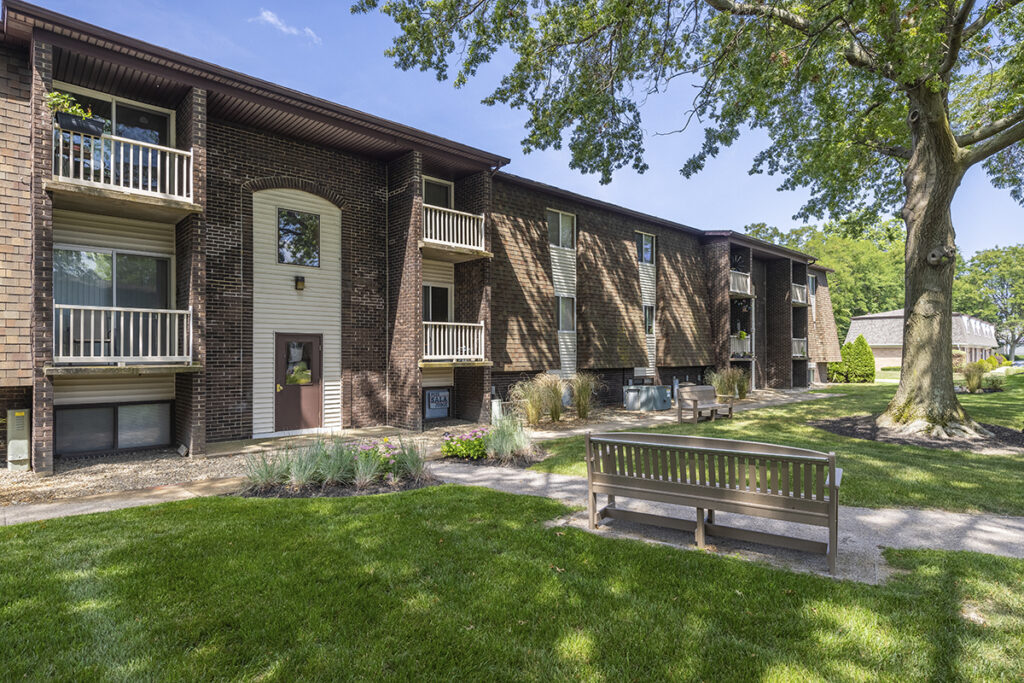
741	335
63	102
72	116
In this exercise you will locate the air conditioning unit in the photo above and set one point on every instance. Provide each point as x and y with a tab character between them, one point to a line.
18	432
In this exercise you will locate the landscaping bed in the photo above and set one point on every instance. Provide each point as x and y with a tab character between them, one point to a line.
336	490
1005	441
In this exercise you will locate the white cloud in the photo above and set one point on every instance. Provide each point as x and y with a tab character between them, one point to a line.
271	19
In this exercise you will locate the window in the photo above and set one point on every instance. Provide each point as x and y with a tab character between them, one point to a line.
435	304
438	193
644	248
566	311
648	319
127	120
298	238
83	277
812	289
89	429
298	367
561	229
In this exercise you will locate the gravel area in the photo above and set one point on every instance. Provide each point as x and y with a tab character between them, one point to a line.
1004	441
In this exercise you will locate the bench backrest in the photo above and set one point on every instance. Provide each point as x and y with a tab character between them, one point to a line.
668	462
702	392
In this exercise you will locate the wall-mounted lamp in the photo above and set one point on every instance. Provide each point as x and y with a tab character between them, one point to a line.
300	283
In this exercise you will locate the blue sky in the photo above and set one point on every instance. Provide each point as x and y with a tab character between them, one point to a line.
322	49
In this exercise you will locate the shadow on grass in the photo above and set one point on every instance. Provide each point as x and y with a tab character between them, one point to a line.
875	474
466	583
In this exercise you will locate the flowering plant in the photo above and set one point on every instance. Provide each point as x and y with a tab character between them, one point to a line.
469	445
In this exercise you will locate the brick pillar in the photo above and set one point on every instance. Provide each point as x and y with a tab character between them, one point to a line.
473	301
716	258
779	324
190	250
405	296
42	259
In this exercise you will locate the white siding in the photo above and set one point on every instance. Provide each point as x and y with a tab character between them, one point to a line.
83	390
567	353
438	377
279	308
110	232
563	271
648	284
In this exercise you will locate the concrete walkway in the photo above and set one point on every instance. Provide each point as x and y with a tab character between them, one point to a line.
863	532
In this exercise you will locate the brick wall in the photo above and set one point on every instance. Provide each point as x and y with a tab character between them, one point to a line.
823	337
42	259
686	334
16	219
779	327
716	264
190	280
405	281
758	281
241	161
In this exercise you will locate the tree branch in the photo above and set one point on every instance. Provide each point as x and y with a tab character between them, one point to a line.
989	129
995	144
956	35
987	15
744	9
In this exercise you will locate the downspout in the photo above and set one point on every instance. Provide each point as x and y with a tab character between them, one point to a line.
387	295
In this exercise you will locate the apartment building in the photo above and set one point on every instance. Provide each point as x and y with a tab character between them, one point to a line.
213	257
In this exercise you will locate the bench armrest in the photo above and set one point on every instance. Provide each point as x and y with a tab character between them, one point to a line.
695	403
839	477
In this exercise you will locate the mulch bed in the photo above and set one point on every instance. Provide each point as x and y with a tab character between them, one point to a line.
318	491
1005	440
521	463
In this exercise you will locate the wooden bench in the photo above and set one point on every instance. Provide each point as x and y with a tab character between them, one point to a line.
743	477
699	399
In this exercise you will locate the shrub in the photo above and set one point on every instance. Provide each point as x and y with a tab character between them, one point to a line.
410	463
367	468
468	446
973	375
337	464
303	466
265	471
992	363
552	389
742	385
993	383
530	399
891	368
726	381
959	360
507	439
861	361
584	386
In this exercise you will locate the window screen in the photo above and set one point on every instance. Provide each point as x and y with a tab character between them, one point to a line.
84	430
648	319
561	229
644	248
143	425
437	194
435	304
566	313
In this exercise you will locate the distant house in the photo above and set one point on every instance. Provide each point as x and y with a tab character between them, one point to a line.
884	334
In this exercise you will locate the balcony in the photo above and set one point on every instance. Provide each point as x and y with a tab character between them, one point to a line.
739	348
453	344
799	348
799	294
450	235
739	283
90	168
107	335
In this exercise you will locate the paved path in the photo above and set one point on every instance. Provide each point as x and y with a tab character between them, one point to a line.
863	532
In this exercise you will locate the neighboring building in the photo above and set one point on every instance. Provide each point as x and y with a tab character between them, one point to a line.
228	258
884	334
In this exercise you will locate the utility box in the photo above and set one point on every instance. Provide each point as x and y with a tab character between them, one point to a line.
18	433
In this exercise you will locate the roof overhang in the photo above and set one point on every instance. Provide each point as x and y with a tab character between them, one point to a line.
98	57
762	248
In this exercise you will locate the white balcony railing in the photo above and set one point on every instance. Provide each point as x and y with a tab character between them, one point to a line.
452	228
739	347
453	341
105	334
799	348
799	294
739	283
118	163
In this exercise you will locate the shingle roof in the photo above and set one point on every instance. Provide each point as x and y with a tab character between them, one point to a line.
886	329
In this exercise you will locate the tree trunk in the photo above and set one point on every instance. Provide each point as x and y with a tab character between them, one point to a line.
925	400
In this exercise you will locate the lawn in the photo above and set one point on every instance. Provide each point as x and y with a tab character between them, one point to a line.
875	474
467	584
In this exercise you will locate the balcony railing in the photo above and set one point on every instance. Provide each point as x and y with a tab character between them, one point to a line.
451	228
799	294
739	283
105	334
799	348
453	341
118	163
739	347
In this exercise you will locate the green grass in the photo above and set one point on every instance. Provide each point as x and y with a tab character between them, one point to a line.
467	584
875	474
887	374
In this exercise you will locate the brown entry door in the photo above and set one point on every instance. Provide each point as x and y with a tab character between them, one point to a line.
298	382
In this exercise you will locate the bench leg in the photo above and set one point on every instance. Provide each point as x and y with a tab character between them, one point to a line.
833	538
714	412
711	517
730	412
696	416
592	509
698	533
611	501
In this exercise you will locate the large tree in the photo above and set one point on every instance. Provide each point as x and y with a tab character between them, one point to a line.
991	286
873	105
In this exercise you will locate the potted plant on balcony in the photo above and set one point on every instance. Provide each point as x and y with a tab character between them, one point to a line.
71	116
